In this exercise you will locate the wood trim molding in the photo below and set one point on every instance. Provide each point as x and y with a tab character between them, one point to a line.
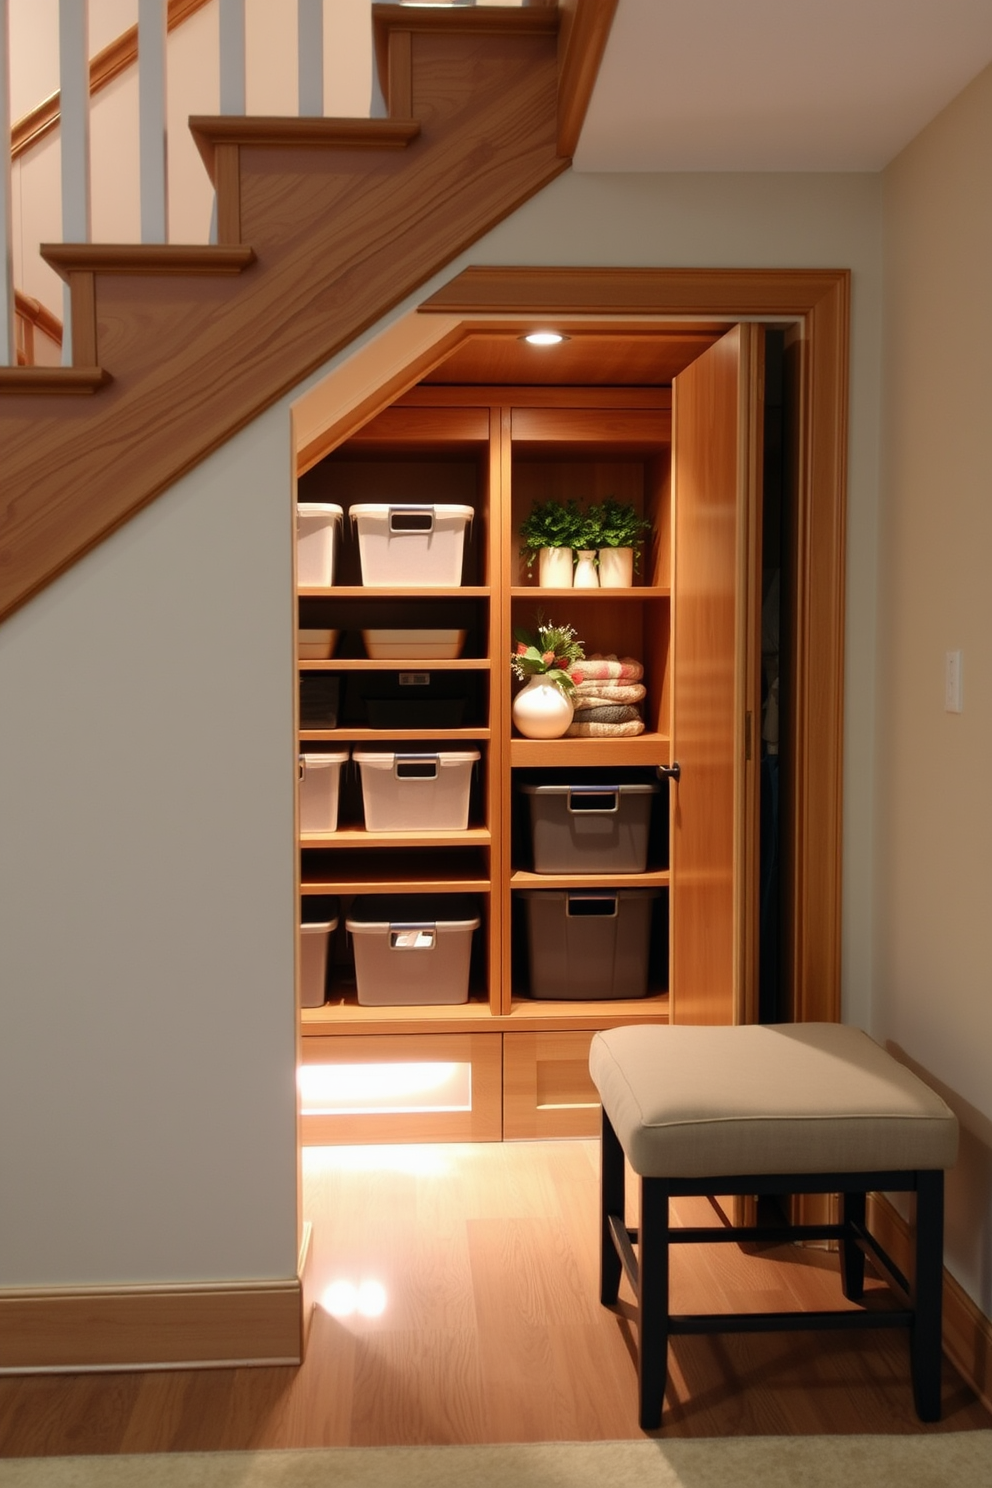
145	258
213	130
582	37
104	67
62	1329
819	301
967	1331
72	380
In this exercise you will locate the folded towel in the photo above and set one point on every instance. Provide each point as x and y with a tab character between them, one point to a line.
577	729
601	668
609	713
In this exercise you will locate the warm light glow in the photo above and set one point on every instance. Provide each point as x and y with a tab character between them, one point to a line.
412	1160
544	338
334	1089
343	1298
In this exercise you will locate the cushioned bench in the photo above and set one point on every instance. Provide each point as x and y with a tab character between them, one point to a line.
784	1109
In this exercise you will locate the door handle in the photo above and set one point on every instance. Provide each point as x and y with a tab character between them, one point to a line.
670	772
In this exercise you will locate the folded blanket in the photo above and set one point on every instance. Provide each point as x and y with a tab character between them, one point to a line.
597	694
578	729
602	668
609	713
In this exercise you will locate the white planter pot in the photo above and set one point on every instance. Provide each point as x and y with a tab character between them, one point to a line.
554	568
541	710
586	575
616	568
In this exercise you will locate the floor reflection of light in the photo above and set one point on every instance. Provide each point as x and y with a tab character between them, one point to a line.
342	1299
416	1160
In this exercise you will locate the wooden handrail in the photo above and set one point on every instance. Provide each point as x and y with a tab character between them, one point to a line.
38	315
105	66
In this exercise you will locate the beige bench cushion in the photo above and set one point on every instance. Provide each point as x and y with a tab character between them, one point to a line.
691	1102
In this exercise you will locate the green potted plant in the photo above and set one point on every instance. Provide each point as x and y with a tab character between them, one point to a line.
617	531
549	533
543	709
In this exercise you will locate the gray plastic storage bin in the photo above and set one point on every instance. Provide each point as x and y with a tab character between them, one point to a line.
412	949
590	828
320	920
588	944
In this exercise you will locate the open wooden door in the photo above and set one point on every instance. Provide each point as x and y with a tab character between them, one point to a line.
716	608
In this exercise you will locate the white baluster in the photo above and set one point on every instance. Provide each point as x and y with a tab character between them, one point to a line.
151	121
310	32
232	56
74	132
8	345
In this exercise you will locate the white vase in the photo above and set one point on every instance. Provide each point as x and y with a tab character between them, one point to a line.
541	710
554	568
616	568
586	575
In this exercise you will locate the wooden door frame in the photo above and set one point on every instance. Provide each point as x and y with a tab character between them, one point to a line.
818	300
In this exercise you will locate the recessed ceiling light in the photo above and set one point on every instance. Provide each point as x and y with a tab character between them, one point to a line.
544	338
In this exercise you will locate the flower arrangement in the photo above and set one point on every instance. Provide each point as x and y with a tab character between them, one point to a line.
551	654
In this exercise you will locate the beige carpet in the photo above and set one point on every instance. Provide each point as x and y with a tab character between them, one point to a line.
961	1459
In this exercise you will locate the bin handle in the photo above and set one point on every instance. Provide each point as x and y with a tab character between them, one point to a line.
303	767
579	898
417	762
594	790
412	936
411	509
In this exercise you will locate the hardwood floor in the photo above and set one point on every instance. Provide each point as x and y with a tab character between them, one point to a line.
482	1323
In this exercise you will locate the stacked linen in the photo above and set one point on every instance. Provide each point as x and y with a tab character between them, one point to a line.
608	690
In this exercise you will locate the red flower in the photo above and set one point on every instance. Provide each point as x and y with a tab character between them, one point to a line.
548	657
521	649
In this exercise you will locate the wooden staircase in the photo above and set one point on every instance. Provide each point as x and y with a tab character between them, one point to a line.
323	226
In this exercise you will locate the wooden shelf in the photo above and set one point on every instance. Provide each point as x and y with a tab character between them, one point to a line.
531	591
642	749
397	870
358	664
345	1016
522	878
407	591
387	736
358	837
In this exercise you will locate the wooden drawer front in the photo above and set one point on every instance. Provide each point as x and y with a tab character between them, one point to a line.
480	1123
547	1091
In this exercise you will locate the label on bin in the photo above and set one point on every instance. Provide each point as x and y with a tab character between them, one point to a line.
415	679
412	938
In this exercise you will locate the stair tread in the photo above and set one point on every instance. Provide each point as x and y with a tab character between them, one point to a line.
148	258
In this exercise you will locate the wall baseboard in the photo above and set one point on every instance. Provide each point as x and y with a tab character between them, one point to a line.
967	1331
64	1329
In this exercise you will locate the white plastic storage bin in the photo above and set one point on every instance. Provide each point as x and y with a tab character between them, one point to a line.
316	543
319	922
416	792
409	545
414	645
320	779
317	645
412	948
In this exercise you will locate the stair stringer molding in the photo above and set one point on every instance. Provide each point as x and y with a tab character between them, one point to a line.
340	234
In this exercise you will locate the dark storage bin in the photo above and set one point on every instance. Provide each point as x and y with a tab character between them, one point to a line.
590	827
588	944
412	949
412	698
319	692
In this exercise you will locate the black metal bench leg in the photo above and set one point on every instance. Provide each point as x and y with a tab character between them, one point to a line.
652	1343
925	1333
852	1257
611	1201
